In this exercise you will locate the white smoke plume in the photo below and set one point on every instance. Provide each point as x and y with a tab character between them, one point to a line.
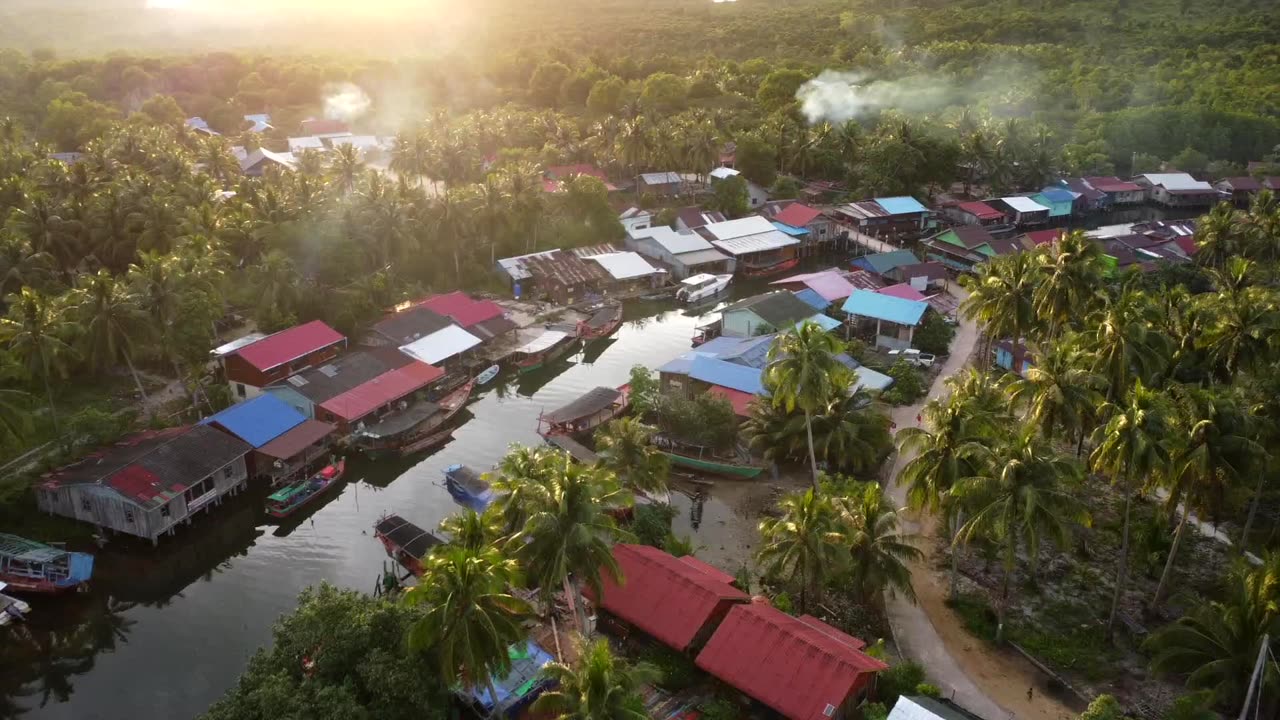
346	102
838	97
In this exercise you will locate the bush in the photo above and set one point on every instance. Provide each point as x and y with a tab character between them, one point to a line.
908	384
934	335
651	524
720	709
677	670
901	679
782	601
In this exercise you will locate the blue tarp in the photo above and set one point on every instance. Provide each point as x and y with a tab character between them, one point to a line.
812	298
866	303
790	229
900	205
730	375
258	421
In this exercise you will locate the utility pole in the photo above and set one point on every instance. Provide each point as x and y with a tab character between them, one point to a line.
1253	679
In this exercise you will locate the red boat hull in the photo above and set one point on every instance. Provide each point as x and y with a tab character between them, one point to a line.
29	585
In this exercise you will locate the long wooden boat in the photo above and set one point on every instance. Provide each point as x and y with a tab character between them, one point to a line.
467	487
429	442
714	465
547	347
417	426
29	566
768	270
593	409
602	323
405	542
290	498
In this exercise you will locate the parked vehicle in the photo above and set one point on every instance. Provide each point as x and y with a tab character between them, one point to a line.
913	356
702	287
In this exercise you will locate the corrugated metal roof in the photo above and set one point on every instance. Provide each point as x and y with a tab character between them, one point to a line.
812	298
542	342
920	707
885	307
1023	204
723	173
795	668
730	229
361	142
515	265
822	321
798	215
1176	181
228	348
790	230
831	285
462	308
258	421
625	265
981	210
881	263
388	387
760	242
659	178
902	205
701	257
672	241
441	345
730	375
867	378
297	439
904	291
286	345
695	217
298	144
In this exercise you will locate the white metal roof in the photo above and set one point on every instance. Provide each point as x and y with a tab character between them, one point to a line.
514	266
730	229
659	178
759	242
363	142
543	341
723	173
236	344
1176	181
310	142
440	345
672	241
701	257
625	265
239	152
1024	204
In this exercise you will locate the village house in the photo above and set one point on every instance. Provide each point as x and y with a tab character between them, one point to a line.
758	246
962	248
633	218
769	313
629	273
554	176
757	195
1090	199
365	405
148	483
891	217
306	390
1119	192
926	277
923	707
200	127
258	123
882	264
257	163
1178	190
896	319
556	275
689	219
1271	183
445	348
976	212
1036	238
404	326
1060	201
297	145
814	228
285	443
1014	357
483	318
1023	211
661	184
831	285
1241	189
685	254
255	361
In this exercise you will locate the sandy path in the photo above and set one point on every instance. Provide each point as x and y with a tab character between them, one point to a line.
984	680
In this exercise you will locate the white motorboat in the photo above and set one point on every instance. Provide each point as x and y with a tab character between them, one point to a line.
11	608
702	287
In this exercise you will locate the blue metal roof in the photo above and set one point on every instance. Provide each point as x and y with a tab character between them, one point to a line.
743	351
812	298
885	307
519	687
258	421
731	375
881	263
824	322
790	229
1057	194
901	205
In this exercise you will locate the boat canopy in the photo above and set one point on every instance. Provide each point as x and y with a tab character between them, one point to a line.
29	551
285	494
589	404
405	535
543	342
604	316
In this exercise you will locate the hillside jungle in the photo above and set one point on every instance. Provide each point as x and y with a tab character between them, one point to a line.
118	270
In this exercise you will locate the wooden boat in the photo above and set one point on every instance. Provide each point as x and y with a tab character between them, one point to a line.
545	348
413	425
467	487
290	498
593	409
429	442
405	542
488	375
694	458
29	566
705	333
11	608
768	270
604	322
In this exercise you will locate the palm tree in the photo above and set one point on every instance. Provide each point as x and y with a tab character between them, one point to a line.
879	550
1020	501
347	165
113	321
849	432
1002	296
1072	275
1218	236
472	531
21	266
569	531
626	448
35	331
1121	342
1059	392
469	617
599	686
1132	446
803	372
1242	320
1216	644
806	542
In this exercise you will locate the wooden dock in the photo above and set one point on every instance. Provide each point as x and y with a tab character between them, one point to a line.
580	452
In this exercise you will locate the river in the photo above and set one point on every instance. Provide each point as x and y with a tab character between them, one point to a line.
165	631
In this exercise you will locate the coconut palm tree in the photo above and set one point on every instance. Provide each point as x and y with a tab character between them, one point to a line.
599	686
347	165
113	322
1002	297
1120	340
849	433
469	616
1059	392
569	533
625	447
805	543
1216	644
1219	236
35	331
472	531
1019	501
879	551
1071	271
1241	323
1133	446
803	372
214	154
21	266
15	413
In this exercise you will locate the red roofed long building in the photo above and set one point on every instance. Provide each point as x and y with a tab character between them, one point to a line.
275	357
801	667
676	602
378	395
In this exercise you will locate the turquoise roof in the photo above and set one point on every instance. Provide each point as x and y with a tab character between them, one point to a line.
901	205
1054	200
727	374
885	307
790	230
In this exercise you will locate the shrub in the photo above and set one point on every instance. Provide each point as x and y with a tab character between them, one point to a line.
651	524
677	670
908	384
934	335
720	709
901	679
782	601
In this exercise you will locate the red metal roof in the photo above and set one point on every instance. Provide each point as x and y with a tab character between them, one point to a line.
136	481
740	401
462	308
1112	184
297	439
904	291
666	598
834	632
279	348
797	215
387	387
981	210
785	662
1044	237
715	572
1187	243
